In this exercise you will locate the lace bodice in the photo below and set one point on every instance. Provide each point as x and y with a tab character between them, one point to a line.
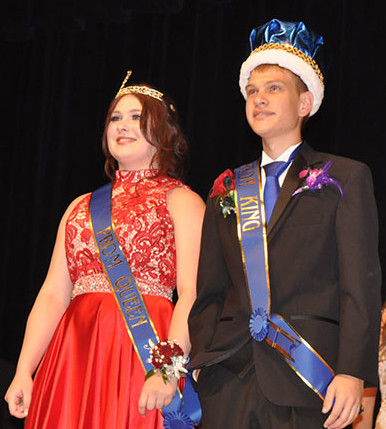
144	230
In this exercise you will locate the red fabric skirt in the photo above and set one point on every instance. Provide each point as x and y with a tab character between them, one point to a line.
90	376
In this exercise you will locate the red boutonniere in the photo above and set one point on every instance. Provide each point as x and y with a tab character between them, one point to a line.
316	178
224	190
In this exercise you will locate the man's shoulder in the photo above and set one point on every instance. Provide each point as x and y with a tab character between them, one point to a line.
339	163
342	160
346	171
342	165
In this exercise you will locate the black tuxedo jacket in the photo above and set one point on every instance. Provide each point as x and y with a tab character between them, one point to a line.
324	275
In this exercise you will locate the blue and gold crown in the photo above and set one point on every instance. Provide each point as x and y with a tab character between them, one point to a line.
292	46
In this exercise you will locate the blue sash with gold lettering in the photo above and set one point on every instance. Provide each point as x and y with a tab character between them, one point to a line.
184	411
264	326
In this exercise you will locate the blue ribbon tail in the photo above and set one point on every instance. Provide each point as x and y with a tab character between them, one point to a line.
186	413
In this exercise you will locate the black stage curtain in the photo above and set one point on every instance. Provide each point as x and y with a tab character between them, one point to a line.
62	61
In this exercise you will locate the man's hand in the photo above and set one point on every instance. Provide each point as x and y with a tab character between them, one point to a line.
343	398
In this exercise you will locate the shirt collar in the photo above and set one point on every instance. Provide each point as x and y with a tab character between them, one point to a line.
265	159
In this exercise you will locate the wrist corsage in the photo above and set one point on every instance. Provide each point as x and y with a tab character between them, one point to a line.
167	357
316	178
224	190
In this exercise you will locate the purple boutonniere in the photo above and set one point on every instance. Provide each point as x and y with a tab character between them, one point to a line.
316	178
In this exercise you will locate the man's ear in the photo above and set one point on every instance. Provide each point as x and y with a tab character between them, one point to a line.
306	103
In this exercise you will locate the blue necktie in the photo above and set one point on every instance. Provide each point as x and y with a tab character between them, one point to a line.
272	186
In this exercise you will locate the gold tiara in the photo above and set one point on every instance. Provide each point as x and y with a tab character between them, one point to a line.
134	89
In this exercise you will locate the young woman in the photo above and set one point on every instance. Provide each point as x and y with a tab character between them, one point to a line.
90	375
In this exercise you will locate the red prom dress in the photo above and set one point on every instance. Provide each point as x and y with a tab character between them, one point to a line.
90	376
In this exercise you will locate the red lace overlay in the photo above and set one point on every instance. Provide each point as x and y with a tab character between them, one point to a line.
144	230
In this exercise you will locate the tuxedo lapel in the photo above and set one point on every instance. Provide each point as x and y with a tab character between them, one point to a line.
305	157
291	183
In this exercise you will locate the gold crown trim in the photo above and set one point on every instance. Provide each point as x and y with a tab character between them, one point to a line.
135	89
294	51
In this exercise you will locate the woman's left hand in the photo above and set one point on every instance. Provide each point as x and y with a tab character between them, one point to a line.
156	393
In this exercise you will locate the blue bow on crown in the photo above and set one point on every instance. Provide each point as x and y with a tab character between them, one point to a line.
293	33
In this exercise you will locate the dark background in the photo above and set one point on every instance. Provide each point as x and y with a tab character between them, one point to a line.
62	61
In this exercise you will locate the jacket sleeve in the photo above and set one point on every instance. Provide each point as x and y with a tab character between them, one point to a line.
212	283
359	277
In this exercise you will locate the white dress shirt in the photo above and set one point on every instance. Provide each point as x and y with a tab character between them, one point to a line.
265	159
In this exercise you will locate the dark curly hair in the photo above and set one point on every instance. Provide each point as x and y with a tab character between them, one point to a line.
160	126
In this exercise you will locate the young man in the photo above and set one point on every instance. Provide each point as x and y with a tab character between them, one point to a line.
285	326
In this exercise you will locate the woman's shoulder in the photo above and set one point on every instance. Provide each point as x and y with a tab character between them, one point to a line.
170	182
182	199
81	199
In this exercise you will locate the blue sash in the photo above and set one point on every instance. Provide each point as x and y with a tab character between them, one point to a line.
184	411
264	326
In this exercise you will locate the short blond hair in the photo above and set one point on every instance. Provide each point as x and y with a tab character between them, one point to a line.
300	85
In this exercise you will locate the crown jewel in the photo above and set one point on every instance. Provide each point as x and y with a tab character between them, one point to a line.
135	89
